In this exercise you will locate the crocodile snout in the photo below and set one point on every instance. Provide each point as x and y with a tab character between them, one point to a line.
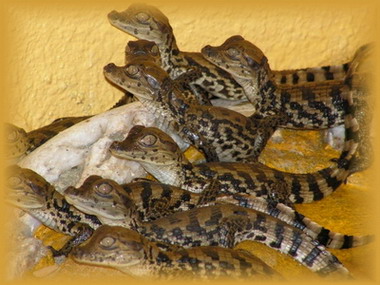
208	51
109	68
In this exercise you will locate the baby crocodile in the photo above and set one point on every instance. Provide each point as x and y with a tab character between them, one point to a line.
148	22
21	143
226	225
142	50
161	157
220	133
309	106
33	194
113	203
132	253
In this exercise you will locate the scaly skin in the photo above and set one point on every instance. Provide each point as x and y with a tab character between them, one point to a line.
222	134
311	74
361	73
226	225
162	158
150	200
309	106
147	22
126	250
33	194
142	49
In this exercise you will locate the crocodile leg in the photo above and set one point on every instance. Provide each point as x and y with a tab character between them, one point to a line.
84	233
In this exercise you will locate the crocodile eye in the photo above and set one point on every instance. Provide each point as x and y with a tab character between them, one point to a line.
154	50
132	70
104	188
142	17
148	140
14	181
232	53
107	242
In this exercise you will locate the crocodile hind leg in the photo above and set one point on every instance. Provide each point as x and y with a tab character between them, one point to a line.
264	128
186	81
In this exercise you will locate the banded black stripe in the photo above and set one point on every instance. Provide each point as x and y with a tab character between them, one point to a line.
296	243
314	187
295	78
311	256
323	236
348	242
346	66
332	182
279	234
310	77
296	190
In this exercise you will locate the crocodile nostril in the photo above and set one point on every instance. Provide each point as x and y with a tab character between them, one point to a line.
109	67
208	51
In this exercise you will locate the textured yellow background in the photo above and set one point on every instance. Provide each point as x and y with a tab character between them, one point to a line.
57	51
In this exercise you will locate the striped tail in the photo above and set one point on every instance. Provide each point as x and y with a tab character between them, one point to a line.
283	238
306	188
288	215
311	74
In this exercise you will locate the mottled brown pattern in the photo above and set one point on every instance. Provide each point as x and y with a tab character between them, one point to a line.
312	105
147	22
222	134
33	194
131	253
114	204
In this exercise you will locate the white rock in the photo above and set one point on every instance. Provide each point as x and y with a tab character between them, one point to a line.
82	150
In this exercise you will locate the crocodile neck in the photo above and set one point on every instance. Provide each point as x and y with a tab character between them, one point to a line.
260	88
171	174
171	56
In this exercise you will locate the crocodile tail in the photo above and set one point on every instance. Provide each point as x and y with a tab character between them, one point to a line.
306	188
327	237
288	215
311	74
284	238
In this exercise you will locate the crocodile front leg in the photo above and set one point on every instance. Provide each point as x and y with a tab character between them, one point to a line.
84	232
199	142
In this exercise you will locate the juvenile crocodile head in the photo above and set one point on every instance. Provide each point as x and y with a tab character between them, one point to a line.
148	145
142	49
142	21
26	189
237	56
116	247
17	142
143	78
103	198
155	151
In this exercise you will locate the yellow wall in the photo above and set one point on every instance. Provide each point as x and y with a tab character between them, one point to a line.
57	51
